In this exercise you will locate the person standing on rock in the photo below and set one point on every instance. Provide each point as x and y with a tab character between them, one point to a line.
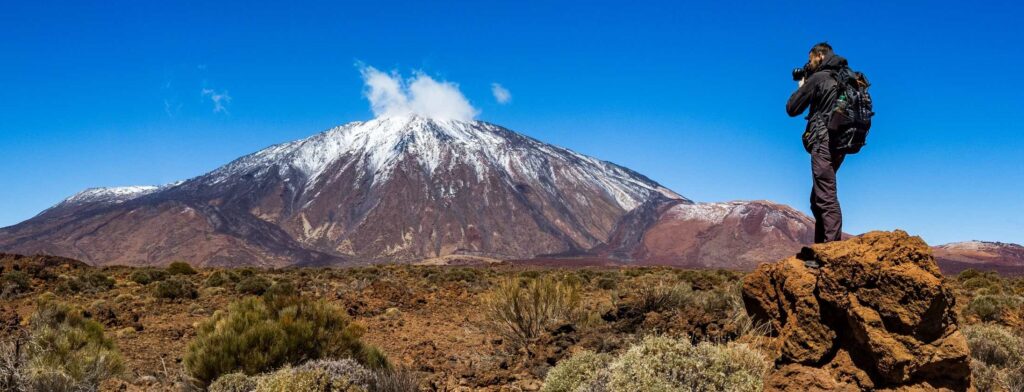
817	91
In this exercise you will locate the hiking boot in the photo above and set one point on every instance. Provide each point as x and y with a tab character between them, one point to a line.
807	255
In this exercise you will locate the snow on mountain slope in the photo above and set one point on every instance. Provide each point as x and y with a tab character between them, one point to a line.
392	189
111	195
381	144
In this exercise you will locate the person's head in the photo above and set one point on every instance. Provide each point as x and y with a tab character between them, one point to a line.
818	54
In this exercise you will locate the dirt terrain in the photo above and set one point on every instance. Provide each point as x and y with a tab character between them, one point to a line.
427	319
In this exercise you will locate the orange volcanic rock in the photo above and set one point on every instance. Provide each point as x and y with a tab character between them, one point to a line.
875	315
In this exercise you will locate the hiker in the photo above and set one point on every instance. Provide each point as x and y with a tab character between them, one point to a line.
837	124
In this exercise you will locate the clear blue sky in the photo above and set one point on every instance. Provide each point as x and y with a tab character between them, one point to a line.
691	95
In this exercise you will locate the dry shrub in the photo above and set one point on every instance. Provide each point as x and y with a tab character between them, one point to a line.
61	351
180	268
576	372
146	276
521	309
14	283
342	375
255	336
997	357
87	282
993	307
667	364
175	287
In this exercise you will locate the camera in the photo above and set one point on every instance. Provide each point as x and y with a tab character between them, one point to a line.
800	73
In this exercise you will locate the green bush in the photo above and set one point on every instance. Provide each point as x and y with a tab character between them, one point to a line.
666	364
87	282
652	295
992	307
574	373
607	283
222	279
255	285
180	268
14	283
175	287
253	336
147	275
454	274
522	312
68	352
967	274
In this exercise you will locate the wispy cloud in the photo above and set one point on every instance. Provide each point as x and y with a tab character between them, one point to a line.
501	94
392	95
171	108
220	100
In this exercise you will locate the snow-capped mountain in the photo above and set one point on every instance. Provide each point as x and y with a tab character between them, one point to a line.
394	188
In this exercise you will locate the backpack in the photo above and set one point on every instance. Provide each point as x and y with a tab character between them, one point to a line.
850	118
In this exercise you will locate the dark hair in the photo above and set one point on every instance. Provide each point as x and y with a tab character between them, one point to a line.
822	48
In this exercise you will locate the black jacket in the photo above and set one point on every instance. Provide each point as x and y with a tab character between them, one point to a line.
817	93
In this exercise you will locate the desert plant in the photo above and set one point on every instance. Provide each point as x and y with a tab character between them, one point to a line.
87	282
666	364
992	307
997	357
146	276
326	375
14	375
66	351
994	344
523	310
234	382
180	268
394	380
221	279
652	295
175	287
254	285
607	283
13	283
574	373
253	336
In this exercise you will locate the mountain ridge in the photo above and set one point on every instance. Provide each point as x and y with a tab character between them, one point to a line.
397	188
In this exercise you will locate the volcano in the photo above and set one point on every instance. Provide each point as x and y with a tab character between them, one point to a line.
394	189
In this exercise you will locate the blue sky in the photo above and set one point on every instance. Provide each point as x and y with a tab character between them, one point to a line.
690	94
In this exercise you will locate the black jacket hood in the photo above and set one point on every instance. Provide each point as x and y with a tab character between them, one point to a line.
832	62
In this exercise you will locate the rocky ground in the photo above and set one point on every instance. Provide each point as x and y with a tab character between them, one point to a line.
431	319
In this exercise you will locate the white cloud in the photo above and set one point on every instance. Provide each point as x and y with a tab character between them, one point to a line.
391	95
220	100
501	94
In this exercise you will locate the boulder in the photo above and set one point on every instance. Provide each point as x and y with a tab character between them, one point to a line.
875	315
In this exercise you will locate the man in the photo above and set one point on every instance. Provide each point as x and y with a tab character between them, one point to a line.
817	91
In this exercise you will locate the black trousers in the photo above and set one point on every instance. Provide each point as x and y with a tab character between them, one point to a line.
828	217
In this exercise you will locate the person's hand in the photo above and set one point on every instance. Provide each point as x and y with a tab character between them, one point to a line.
800	83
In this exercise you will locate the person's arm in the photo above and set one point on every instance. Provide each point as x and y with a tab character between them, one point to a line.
801	98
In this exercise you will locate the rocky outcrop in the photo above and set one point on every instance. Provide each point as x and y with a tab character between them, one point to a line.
875	315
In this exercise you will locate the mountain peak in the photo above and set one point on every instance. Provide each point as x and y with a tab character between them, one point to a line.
400	187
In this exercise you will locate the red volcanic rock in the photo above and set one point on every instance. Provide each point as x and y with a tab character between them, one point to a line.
876	315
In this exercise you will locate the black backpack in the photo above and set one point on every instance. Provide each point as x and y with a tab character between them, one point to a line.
850	118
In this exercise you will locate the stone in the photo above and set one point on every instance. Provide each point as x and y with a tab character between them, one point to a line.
875	315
